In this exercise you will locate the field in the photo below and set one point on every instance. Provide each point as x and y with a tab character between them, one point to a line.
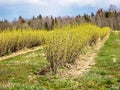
61	47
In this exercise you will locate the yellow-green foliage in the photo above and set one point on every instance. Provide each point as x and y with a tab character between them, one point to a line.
14	40
61	45
64	46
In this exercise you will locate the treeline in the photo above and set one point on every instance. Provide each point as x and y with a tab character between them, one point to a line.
102	18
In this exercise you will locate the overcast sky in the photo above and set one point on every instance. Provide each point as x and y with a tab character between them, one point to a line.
12	9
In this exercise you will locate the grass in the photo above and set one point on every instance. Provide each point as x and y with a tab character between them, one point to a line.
17	73
20	69
105	75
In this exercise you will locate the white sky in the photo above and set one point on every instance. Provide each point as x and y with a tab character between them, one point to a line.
65	3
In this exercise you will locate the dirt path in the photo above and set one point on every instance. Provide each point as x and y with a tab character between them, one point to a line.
20	52
84	63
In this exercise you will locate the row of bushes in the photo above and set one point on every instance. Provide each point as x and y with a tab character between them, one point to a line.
65	45
11	41
61	46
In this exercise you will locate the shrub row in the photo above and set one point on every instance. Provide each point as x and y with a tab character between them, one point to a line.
11	41
64	46
61	46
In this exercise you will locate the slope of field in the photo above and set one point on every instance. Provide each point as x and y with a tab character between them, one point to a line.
17	73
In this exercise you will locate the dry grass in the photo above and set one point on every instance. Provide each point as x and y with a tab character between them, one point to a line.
24	51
